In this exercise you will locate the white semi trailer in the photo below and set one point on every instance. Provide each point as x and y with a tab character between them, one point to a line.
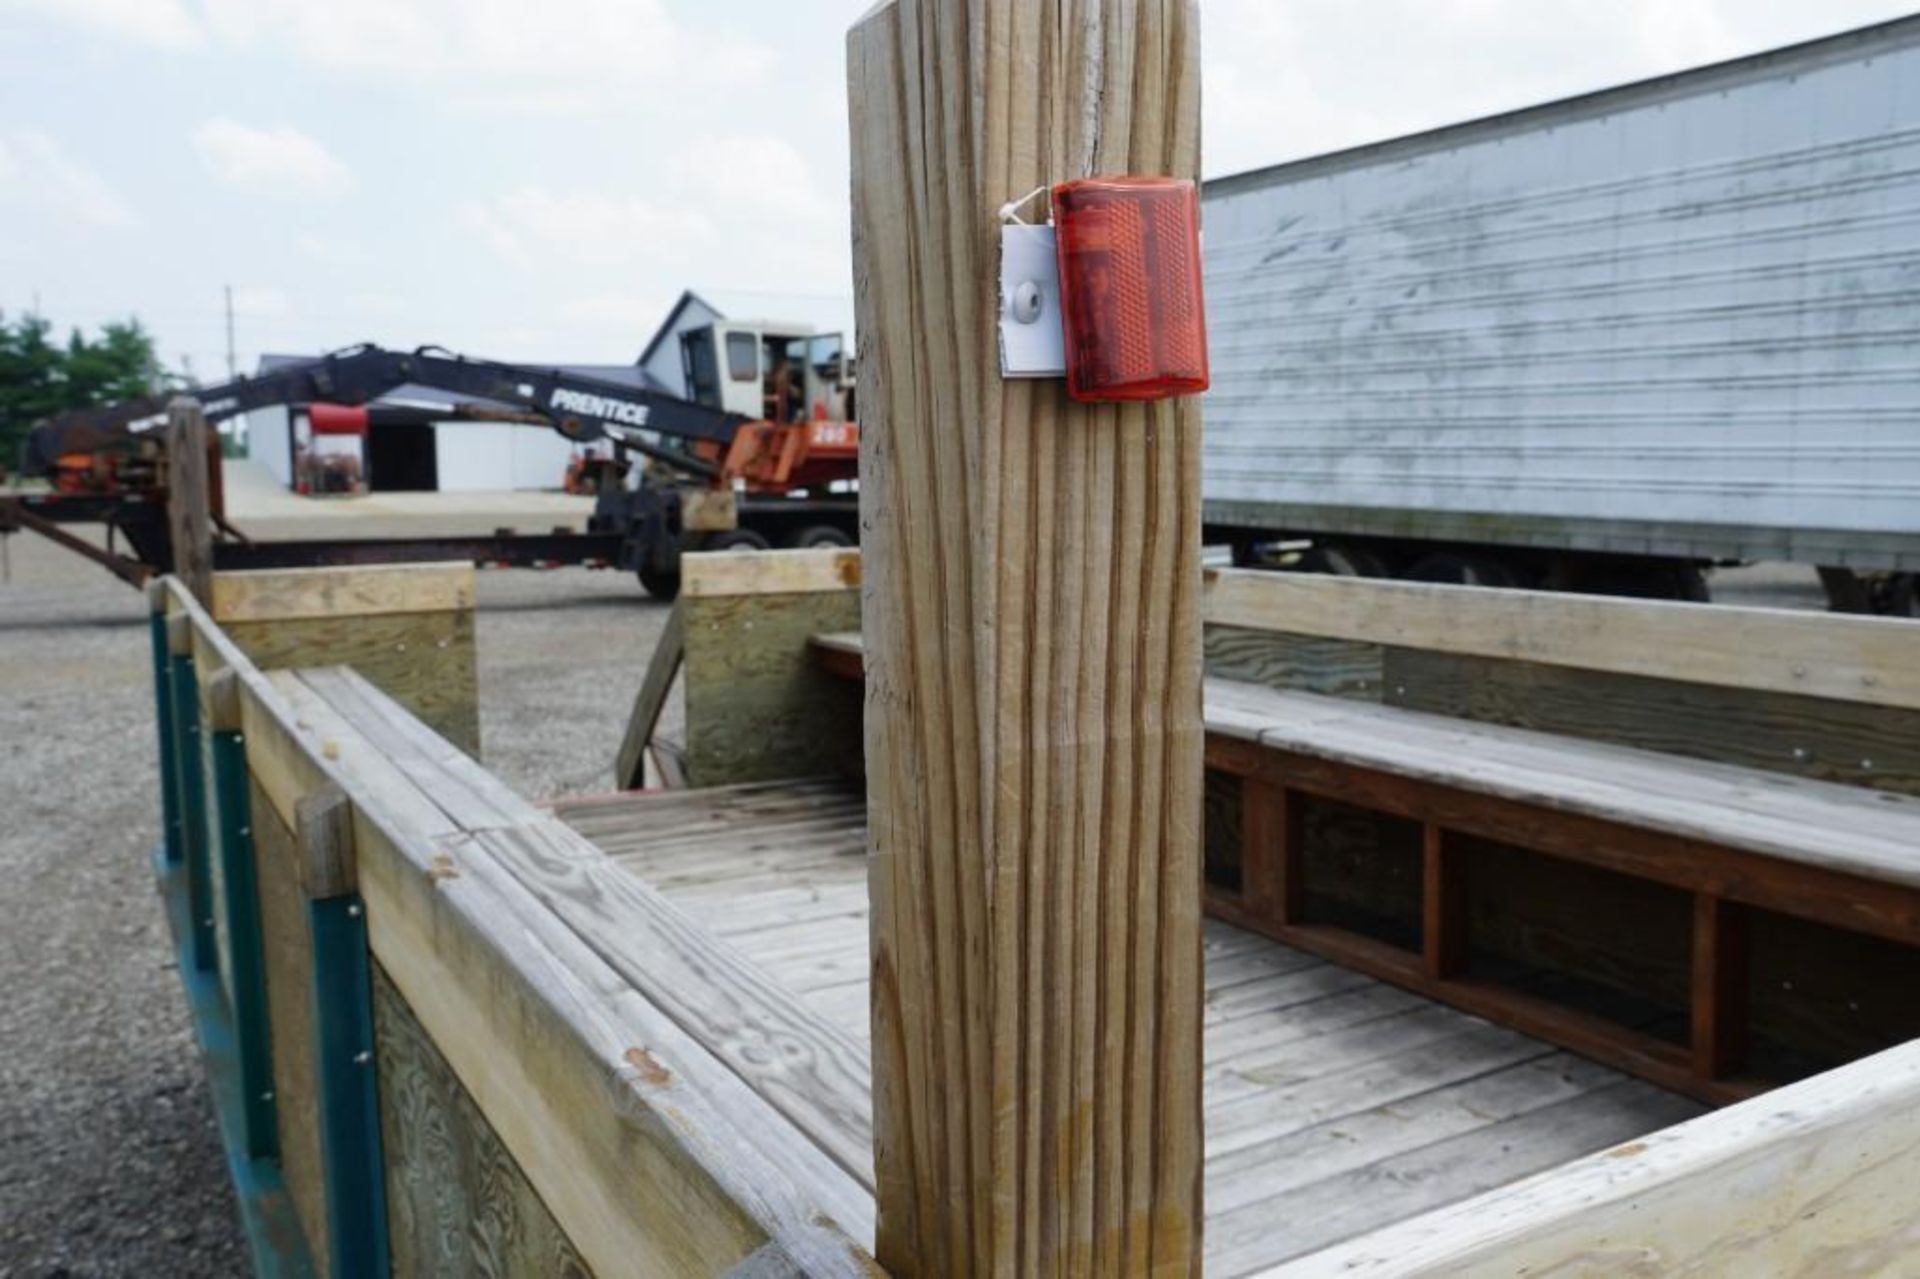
1595	345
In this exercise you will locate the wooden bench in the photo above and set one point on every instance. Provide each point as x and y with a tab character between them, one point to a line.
1733	838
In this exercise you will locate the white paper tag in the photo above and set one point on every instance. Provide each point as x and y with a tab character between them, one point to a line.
1031	341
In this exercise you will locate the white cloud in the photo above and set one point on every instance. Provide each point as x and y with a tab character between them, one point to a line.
1310	76
261	303
330	250
280	158
760	173
569	53
533	226
165	23
37	172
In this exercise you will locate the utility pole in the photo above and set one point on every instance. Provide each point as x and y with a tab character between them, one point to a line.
233	367
1031	608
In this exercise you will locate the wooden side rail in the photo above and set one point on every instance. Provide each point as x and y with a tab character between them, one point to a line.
1814	1178
546	1068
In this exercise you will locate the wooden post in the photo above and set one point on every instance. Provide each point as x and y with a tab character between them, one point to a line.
172	840
1719	986
190	783
1032	638
1271	862
630	767
189	502
1444	905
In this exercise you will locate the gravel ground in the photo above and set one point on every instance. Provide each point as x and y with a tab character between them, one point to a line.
109	1163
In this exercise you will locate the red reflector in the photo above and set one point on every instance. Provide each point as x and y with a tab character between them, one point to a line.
337	419
1130	288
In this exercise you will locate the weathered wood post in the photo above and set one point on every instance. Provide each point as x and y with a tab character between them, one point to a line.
1032	636
189	496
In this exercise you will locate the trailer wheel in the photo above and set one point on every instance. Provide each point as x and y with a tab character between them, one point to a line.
818	535
1899	596
1342	560
1463	570
737	539
664	587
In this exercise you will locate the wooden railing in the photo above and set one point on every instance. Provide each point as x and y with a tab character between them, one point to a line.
399	946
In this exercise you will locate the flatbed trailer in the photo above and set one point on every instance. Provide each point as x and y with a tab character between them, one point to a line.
715	479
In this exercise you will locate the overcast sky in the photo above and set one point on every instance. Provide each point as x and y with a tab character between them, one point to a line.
538	179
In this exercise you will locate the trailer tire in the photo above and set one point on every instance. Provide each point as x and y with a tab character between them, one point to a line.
736	539
815	536
1341	559
1899	597
1462	570
664	587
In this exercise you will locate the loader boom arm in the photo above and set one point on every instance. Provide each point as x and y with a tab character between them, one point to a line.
580	407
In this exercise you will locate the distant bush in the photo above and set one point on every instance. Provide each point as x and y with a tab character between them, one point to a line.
40	377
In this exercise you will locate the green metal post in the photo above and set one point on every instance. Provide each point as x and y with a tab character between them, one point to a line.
349	1092
170	836
246	959
190	773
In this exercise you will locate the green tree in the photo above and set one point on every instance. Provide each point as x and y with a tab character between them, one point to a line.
39	377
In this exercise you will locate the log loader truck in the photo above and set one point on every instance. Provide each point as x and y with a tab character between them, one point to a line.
763	453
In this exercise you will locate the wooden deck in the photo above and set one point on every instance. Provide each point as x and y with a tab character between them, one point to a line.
1335	1104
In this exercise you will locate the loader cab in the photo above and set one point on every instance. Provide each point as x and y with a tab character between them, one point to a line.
768	372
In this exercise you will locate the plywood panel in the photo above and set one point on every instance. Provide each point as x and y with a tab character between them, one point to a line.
285	594
424	661
457	1203
756	705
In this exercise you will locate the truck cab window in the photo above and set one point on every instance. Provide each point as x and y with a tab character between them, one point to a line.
703	374
743	357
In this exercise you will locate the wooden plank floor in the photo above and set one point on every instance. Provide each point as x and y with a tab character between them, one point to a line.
1335	1104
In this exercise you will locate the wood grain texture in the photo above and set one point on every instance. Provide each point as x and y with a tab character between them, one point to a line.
669	652
655	1156
285	594
457	1203
287	958
650	1146
757	706
769	572
1343	668
1874	660
1812	1179
1320	1083
189	496
1854	743
1719	997
323	827
1816	824
425	661
1032	641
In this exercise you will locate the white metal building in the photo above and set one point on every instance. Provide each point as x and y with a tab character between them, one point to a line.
445	456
